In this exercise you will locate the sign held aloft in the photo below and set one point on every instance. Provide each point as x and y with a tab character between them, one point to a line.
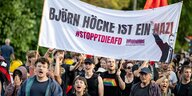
135	35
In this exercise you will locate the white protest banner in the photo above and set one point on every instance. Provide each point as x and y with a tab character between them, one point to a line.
135	35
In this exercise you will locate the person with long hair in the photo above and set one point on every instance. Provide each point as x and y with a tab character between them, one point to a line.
80	87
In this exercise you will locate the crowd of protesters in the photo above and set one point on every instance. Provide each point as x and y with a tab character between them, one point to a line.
62	73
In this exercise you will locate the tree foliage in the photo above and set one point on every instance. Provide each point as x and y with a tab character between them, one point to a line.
185	28
17	23
112	4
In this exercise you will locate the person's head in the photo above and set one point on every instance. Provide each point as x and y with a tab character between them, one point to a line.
68	59
80	85
103	63
164	65
7	41
171	67
42	67
59	54
89	65
164	85
145	75
186	73
127	66
111	66
17	74
21	72
32	56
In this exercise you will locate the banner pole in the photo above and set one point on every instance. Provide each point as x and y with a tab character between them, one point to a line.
37	50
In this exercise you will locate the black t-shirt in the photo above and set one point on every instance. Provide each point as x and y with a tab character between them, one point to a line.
111	85
92	85
139	91
38	88
127	89
66	77
184	89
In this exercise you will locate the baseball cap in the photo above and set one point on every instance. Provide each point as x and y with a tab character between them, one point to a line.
88	60
145	70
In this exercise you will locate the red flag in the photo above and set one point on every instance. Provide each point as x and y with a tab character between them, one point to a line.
155	3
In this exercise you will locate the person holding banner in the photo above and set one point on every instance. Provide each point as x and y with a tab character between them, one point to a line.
31	57
64	73
94	81
112	79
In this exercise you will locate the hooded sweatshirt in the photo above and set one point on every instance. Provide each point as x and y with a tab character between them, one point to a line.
12	89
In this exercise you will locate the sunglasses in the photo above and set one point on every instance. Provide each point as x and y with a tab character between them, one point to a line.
87	63
128	67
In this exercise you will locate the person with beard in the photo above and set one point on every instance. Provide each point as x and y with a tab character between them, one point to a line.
145	87
40	84
184	87
112	79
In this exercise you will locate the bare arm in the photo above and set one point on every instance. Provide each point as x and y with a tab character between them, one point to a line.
100	86
160	80
120	81
57	71
81	59
136	72
76	66
12	56
47	54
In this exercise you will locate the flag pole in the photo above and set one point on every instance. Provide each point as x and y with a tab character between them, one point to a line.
40	30
134	4
37	52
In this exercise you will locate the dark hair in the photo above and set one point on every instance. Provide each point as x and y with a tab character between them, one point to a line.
57	51
43	61
17	72
32	53
82	79
185	67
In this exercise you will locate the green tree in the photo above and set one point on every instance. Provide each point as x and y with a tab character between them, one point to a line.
112	4
185	28
17	23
